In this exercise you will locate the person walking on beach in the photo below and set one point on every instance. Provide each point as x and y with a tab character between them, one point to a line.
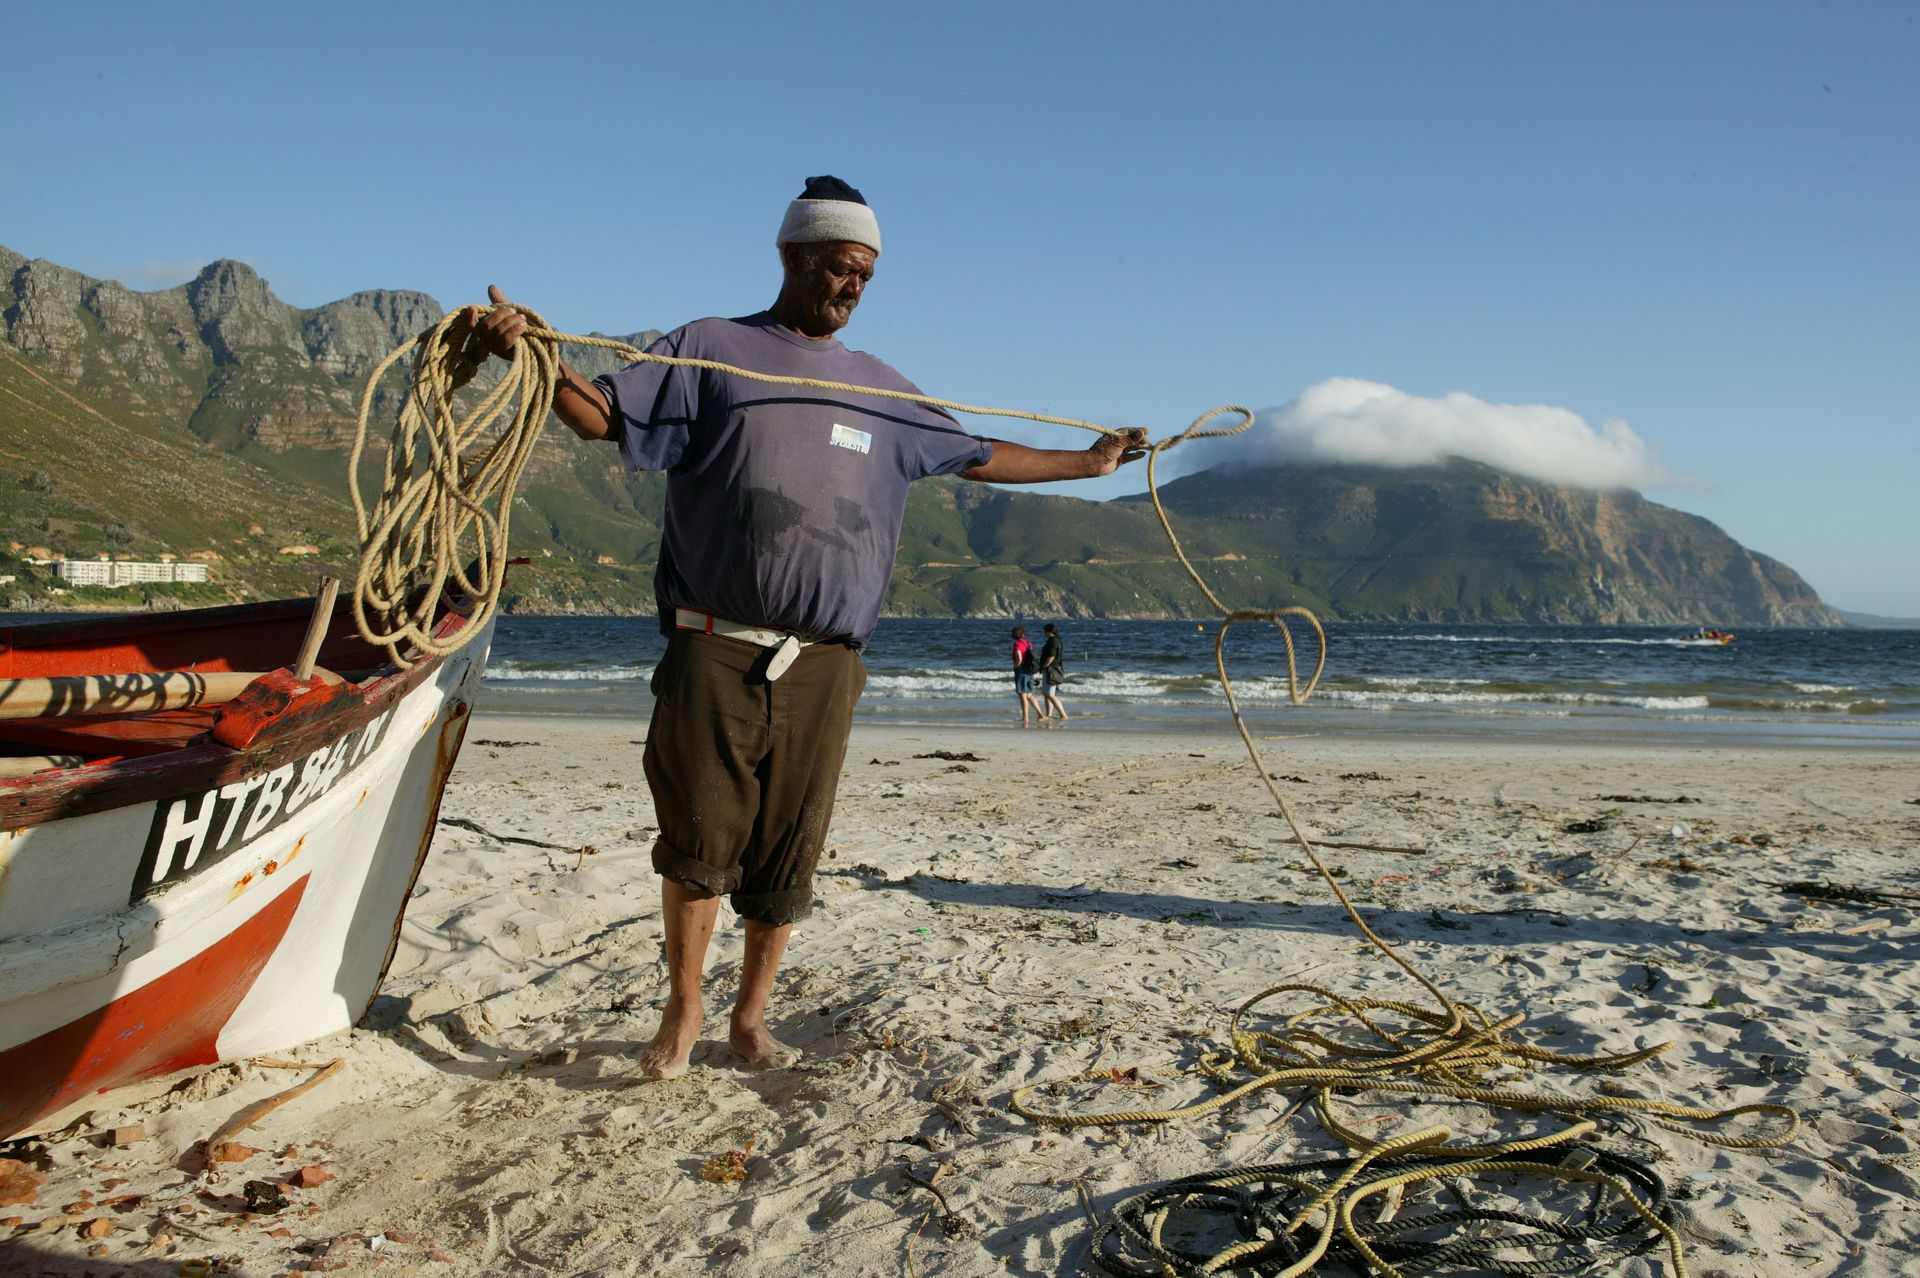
1053	673
1025	668
782	519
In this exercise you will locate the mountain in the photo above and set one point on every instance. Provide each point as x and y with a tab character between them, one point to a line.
213	420
1874	621
1465	542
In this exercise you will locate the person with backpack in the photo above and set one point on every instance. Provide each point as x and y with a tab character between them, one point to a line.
1053	673
1026	669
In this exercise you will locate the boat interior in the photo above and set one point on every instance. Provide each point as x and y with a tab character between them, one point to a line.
129	654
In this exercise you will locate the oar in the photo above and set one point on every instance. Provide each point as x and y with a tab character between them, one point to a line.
118	693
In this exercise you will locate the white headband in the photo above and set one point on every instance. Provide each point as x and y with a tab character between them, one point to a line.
829	221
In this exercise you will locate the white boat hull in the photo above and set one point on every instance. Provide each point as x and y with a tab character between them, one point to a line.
224	921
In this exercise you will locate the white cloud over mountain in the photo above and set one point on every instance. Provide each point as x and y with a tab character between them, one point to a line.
1346	419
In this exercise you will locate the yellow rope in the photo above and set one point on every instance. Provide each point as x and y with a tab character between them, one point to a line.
447	497
450	478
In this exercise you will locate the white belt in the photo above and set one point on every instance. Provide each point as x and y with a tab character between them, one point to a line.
786	646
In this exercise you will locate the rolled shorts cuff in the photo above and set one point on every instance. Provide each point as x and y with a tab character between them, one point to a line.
693	872
775	909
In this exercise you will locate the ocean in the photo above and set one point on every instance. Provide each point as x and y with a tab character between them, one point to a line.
1791	686
1835	687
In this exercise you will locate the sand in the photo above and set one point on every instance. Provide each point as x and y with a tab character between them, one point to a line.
1074	899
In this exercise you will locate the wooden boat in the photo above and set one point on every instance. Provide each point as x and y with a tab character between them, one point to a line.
202	882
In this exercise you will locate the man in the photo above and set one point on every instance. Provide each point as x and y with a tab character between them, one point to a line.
1053	672
783	515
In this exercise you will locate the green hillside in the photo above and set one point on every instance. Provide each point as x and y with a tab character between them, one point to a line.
82	480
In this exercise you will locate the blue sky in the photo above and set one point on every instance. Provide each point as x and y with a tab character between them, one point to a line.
1694	222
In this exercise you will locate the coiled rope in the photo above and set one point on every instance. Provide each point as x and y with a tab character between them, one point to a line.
441	519
1626	1213
451	476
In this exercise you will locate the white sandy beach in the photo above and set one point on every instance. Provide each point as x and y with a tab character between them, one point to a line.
1075	898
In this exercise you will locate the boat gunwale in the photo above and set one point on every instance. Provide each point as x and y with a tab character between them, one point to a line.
138	624
59	793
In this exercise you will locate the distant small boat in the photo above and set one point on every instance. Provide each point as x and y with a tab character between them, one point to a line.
184	882
1705	638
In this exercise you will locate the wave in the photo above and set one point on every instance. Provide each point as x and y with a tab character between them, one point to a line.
1383	692
1358	696
1117	684
1423	681
511	672
1127	685
1860	705
1532	641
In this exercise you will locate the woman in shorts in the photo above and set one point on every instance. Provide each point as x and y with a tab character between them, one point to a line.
1025	666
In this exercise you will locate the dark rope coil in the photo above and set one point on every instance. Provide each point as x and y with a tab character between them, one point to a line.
1247	1210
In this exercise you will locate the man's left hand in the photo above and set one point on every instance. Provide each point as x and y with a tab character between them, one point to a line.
1111	452
1013	463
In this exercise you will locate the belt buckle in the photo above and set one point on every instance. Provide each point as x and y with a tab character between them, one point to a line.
783	654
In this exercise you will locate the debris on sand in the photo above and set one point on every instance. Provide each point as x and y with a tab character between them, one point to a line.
729	1168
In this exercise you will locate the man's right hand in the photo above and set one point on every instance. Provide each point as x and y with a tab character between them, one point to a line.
583	406
500	328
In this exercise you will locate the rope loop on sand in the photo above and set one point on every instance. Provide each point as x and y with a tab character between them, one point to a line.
1279	1222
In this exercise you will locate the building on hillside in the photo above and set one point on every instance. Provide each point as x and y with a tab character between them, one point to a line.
127	572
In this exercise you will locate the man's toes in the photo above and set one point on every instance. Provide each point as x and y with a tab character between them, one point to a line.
763	1051
778	1058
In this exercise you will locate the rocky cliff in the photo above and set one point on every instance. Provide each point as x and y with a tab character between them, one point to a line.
220	354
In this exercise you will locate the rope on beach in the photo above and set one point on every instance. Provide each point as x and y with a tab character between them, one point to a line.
1247	1213
449	487
1345	1047
1437	1067
1423	1062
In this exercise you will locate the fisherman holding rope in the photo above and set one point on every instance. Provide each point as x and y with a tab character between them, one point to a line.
783	517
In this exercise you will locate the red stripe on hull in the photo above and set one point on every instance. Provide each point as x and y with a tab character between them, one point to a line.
170	1023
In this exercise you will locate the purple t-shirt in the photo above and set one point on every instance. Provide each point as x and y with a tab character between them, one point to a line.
784	503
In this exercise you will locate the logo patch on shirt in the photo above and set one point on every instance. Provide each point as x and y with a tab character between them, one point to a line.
847	437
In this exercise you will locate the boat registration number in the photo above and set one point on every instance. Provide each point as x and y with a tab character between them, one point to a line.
195	830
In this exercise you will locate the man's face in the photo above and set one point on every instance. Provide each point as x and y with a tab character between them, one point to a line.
827	281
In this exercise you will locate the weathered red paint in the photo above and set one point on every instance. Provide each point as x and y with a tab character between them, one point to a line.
270	701
168	1024
114	737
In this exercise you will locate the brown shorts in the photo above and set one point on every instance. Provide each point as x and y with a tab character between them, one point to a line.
743	771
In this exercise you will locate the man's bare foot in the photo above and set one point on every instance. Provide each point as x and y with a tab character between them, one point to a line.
758	1049
667	1056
